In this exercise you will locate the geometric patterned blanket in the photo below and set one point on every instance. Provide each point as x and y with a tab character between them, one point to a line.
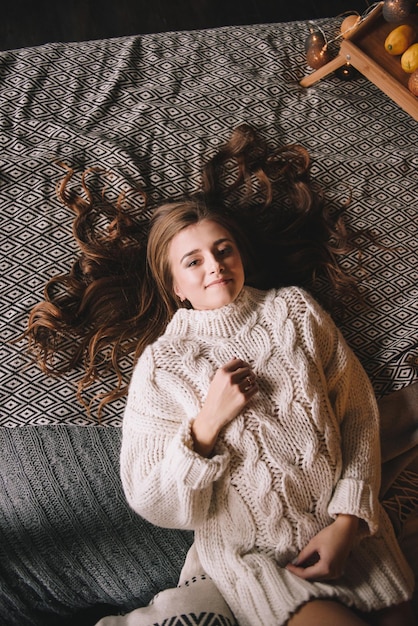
151	109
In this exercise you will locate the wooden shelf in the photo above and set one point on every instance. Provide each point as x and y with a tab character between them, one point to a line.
364	49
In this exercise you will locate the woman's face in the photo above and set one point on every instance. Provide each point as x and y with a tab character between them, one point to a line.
206	265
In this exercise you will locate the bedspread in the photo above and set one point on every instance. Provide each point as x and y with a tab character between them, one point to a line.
151	109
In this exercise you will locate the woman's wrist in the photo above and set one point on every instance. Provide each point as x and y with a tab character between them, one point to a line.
350	523
204	433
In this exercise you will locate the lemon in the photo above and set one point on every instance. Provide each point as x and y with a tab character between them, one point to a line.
399	39
409	59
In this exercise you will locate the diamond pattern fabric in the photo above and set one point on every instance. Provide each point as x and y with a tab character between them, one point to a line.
151	109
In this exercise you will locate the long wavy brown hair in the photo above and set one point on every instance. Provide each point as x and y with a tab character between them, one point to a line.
110	305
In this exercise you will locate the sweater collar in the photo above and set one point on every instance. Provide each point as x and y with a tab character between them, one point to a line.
222	322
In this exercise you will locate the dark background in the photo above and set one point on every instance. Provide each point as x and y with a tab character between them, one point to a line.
30	23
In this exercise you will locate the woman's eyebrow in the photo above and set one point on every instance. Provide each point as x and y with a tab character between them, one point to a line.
222	240
215	243
191	253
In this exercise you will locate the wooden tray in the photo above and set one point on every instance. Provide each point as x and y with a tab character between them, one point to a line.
364	49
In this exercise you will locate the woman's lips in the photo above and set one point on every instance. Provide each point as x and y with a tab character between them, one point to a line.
219	281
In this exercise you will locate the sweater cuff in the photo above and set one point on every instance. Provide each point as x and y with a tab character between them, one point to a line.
353	497
192	469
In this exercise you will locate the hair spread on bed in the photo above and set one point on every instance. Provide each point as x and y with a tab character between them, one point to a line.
106	308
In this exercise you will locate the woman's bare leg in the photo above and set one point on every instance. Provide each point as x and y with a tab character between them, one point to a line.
325	613
398	615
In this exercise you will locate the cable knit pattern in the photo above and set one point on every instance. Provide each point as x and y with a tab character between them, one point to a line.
305	449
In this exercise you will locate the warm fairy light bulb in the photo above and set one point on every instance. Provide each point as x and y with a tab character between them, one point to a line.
316	49
346	71
349	24
397	10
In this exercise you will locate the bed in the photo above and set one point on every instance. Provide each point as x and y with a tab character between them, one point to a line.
150	110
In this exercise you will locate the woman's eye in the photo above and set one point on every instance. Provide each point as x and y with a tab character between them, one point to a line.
192	263
225	251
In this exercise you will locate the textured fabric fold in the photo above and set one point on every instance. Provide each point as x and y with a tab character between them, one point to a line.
69	544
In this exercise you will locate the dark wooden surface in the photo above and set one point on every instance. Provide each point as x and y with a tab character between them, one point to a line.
30	23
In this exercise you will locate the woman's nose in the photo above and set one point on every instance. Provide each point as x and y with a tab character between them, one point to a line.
216	266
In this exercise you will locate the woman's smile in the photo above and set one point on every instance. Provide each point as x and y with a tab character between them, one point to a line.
219	283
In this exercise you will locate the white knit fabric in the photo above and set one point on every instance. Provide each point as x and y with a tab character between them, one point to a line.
305	449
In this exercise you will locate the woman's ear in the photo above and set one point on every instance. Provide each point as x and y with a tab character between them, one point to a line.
178	293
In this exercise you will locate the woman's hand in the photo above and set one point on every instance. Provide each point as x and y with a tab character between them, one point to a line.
325	555
231	389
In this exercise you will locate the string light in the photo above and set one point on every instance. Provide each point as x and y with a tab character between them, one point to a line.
316	48
317	45
397	10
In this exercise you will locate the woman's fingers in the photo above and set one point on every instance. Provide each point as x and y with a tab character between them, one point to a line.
247	383
241	374
235	364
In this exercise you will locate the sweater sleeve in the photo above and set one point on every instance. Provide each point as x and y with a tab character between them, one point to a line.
353	404
164	479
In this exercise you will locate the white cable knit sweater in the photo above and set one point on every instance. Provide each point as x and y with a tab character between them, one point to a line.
305	448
